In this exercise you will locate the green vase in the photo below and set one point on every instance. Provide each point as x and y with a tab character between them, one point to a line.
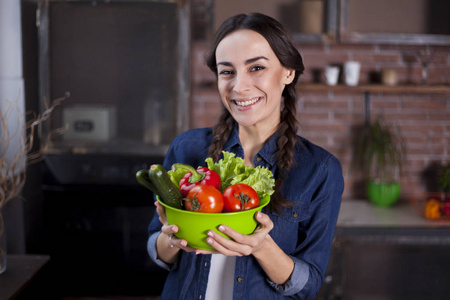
383	194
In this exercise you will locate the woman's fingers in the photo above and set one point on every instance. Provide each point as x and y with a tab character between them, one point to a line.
265	223
241	244
227	246
161	213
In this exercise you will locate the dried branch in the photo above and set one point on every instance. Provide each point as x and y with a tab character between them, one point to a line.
13	171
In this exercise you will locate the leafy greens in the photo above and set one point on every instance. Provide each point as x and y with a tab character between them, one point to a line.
232	170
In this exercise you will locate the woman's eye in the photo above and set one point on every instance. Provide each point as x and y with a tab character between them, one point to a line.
257	68
225	72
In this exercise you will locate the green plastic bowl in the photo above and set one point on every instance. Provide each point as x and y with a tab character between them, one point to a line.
193	226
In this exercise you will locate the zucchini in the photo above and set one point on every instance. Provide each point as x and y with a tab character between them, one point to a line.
167	191
142	178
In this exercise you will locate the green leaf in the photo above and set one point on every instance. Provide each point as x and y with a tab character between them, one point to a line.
232	170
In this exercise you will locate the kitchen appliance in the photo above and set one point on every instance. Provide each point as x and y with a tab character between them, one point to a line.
89	123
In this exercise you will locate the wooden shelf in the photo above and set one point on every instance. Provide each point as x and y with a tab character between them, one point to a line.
377	88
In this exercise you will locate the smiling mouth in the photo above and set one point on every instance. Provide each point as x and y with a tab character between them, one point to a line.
247	102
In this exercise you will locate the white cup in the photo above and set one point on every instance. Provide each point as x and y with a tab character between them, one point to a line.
351	71
331	75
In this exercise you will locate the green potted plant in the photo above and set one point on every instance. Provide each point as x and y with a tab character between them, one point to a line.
444	178
444	181
379	153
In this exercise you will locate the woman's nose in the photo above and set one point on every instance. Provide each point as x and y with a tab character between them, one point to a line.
241	83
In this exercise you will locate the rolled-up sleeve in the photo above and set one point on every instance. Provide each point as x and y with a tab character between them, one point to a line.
151	249
316	231
298	279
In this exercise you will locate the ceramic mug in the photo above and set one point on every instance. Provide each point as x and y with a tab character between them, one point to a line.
389	77
351	71
331	75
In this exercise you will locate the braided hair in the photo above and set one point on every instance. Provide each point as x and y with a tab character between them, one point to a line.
283	47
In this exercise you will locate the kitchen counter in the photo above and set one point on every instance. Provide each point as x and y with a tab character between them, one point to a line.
20	271
382	233
362	221
362	213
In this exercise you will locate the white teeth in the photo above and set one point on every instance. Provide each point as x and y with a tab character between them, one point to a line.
248	102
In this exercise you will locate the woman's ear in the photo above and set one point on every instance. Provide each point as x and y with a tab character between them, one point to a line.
289	76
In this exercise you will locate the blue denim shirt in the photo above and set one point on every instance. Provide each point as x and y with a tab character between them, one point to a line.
304	231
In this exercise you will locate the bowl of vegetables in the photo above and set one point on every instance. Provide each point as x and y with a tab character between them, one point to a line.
198	200
193	226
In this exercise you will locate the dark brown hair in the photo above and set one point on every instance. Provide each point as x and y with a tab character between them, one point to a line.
283	47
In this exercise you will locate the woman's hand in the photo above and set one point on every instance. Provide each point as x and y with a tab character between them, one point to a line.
240	244
277	265
167	245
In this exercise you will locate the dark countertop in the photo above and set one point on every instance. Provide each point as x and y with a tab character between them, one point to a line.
20	271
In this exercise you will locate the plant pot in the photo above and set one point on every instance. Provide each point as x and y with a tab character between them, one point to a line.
383	193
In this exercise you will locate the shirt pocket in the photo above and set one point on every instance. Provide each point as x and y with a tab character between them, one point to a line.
286	231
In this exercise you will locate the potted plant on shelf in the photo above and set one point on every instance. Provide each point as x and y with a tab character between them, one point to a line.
379	153
444	178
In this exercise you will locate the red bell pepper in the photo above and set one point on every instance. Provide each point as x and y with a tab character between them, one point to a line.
194	177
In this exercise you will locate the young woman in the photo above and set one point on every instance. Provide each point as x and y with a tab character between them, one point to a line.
257	67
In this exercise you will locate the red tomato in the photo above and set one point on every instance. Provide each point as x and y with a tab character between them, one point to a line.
204	198
239	197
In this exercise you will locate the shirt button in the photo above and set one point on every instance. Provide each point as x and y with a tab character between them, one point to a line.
258	158
240	279
295	214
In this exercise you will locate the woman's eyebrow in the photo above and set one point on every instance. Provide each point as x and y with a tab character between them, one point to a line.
248	61
252	60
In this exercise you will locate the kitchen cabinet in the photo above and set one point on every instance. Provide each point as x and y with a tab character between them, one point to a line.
309	21
388	253
415	22
126	67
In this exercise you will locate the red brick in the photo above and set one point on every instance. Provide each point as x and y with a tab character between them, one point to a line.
304	95
325	104
402	48
348	118
306	117
306	48
422	128
320	60
322	129
415	140
424	104
391	104
377	58
352	48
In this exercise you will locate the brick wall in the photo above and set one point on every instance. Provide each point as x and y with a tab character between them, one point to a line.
328	118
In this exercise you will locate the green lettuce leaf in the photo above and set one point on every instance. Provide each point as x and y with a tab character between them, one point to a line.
232	170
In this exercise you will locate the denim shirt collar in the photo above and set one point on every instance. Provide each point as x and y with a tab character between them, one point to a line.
267	153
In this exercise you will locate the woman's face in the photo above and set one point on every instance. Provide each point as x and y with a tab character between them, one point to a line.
251	79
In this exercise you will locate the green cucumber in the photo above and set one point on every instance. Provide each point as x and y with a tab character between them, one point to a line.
167	191
142	178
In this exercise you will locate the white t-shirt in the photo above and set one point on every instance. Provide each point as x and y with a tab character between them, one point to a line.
221	278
